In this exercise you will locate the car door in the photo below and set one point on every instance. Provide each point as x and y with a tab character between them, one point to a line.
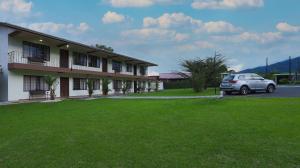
251	80
260	82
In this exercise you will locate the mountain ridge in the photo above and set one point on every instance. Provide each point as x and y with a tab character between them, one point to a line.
278	67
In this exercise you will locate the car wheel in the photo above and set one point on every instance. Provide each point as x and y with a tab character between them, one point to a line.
244	90
270	89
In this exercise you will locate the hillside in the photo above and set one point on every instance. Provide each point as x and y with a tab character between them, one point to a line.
279	67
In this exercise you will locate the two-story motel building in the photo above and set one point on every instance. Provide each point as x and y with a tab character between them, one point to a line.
26	56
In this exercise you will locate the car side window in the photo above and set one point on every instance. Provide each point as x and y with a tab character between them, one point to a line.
248	77
256	77
242	77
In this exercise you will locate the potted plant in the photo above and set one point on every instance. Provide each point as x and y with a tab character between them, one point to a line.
149	87
125	87
50	80
105	83
90	84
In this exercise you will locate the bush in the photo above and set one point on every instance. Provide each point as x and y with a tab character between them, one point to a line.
283	81
182	84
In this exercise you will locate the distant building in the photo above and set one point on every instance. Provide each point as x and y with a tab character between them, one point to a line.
175	80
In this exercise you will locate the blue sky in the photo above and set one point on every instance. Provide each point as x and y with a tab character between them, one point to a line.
168	31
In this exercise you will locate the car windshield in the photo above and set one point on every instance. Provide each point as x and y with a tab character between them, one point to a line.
228	77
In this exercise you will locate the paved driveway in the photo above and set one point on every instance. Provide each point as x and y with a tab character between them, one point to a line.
282	91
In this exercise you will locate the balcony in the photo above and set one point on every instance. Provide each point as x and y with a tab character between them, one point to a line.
16	62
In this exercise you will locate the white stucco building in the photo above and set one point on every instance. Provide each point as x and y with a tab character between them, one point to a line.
27	56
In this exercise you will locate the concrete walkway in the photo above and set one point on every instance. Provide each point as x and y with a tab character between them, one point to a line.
165	97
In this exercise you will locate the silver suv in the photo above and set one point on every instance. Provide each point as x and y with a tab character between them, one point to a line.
246	83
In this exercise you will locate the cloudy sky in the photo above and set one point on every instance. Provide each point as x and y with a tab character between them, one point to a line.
168	31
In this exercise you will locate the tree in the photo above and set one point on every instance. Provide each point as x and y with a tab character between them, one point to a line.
90	84
205	72
105	83
197	70
104	47
50	81
214	67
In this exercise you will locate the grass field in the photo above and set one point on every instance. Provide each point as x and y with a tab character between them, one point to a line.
237	132
178	92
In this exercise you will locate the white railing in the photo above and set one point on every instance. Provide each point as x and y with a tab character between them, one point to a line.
17	57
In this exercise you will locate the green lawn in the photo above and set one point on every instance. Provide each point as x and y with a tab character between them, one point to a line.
236	132
178	92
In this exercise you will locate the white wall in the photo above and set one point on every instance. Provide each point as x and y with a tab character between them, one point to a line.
4	62
16	81
76	93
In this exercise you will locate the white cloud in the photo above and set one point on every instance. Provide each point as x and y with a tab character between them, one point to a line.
218	27
237	67
51	27
262	38
196	46
181	37
139	3
285	27
154	34
169	20
18	7
112	17
226	4
174	19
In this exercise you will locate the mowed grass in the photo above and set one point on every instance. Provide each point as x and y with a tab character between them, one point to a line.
237	132
179	92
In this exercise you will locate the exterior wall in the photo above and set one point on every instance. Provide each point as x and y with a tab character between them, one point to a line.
4	62
15	83
16	45
11	82
76	93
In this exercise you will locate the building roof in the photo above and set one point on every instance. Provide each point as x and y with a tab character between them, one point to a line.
174	75
69	42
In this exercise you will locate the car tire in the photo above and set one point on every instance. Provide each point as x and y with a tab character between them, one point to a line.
244	90
228	92
270	89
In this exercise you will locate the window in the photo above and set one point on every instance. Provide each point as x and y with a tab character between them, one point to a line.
79	59
96	84
94	61
256	77
228	77
117	66
142	70
79	84
117	84
242	77
128	67
36	52
34	83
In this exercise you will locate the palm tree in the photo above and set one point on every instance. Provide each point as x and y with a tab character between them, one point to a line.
105	83
90	84
197	70
52	87
205	72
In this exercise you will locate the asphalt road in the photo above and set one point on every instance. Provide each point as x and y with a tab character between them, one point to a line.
281	91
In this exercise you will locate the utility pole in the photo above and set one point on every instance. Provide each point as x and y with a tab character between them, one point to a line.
290	68
298	68
267	66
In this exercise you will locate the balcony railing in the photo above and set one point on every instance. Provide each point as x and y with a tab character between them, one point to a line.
17	57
